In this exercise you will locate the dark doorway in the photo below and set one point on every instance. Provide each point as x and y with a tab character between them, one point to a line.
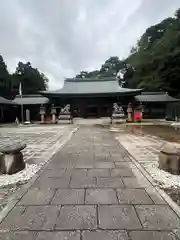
92	111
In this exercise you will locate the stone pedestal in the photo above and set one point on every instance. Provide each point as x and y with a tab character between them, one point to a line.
129	117
11	159
129	112
28	121
169	159
53	118
42	118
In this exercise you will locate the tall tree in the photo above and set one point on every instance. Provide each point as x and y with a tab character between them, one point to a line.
31	79
5	79
112	66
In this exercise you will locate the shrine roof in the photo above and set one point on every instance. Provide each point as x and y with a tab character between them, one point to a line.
30	99
75	86
4	101
161	97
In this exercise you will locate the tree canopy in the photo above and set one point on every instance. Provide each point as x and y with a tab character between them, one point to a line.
153	64
156	61
32	80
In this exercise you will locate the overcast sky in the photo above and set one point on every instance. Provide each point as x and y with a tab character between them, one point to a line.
62	37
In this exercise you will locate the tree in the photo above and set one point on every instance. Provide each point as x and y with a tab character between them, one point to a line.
31	79
156	63
111	66
5	79
177	14
82	74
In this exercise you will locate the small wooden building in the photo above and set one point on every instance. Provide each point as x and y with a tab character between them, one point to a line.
32	102
156	104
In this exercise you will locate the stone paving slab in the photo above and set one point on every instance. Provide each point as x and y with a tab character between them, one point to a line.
24	235
86	193
105	235
98	172
152	235
69	196
124	172
83	182
101	196
157	217
77	217
31	218
62	182
37	196
109	182
133	196
118	217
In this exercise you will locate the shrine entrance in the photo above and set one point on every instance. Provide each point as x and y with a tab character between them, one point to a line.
92	111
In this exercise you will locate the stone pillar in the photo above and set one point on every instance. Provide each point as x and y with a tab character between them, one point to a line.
42	113
42	118
53	112
28	121
129	112
53	118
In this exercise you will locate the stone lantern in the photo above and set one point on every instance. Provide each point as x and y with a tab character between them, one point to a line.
129	112
42	113
53	113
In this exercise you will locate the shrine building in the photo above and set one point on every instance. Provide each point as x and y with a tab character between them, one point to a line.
91	97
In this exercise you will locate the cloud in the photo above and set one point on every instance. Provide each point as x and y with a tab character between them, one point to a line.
63	37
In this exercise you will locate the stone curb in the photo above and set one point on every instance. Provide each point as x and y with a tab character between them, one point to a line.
164	195
16	197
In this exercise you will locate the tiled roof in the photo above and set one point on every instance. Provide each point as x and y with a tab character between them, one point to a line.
31	100
5	101
91	86
155	97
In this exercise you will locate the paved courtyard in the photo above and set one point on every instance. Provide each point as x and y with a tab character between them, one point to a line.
91	190
42	143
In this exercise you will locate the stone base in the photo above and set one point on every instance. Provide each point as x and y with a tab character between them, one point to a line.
169	159
11	163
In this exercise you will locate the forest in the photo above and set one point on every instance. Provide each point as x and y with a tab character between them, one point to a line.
153	63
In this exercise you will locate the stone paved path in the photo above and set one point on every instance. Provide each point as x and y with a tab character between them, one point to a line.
91	190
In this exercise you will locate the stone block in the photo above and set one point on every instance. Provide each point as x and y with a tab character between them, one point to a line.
152	235
77	217
69	196
133	196
118	217
58	235
83	182
157	217
98	173
25	235
36	196
34	218
169	159
101	196
109	182
124	172
105	235
52	182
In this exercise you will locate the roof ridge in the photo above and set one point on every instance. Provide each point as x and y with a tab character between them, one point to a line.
91	79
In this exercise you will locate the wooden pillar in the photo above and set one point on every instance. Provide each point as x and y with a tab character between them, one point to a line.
2	113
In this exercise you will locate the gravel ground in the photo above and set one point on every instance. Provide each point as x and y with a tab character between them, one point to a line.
145	148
